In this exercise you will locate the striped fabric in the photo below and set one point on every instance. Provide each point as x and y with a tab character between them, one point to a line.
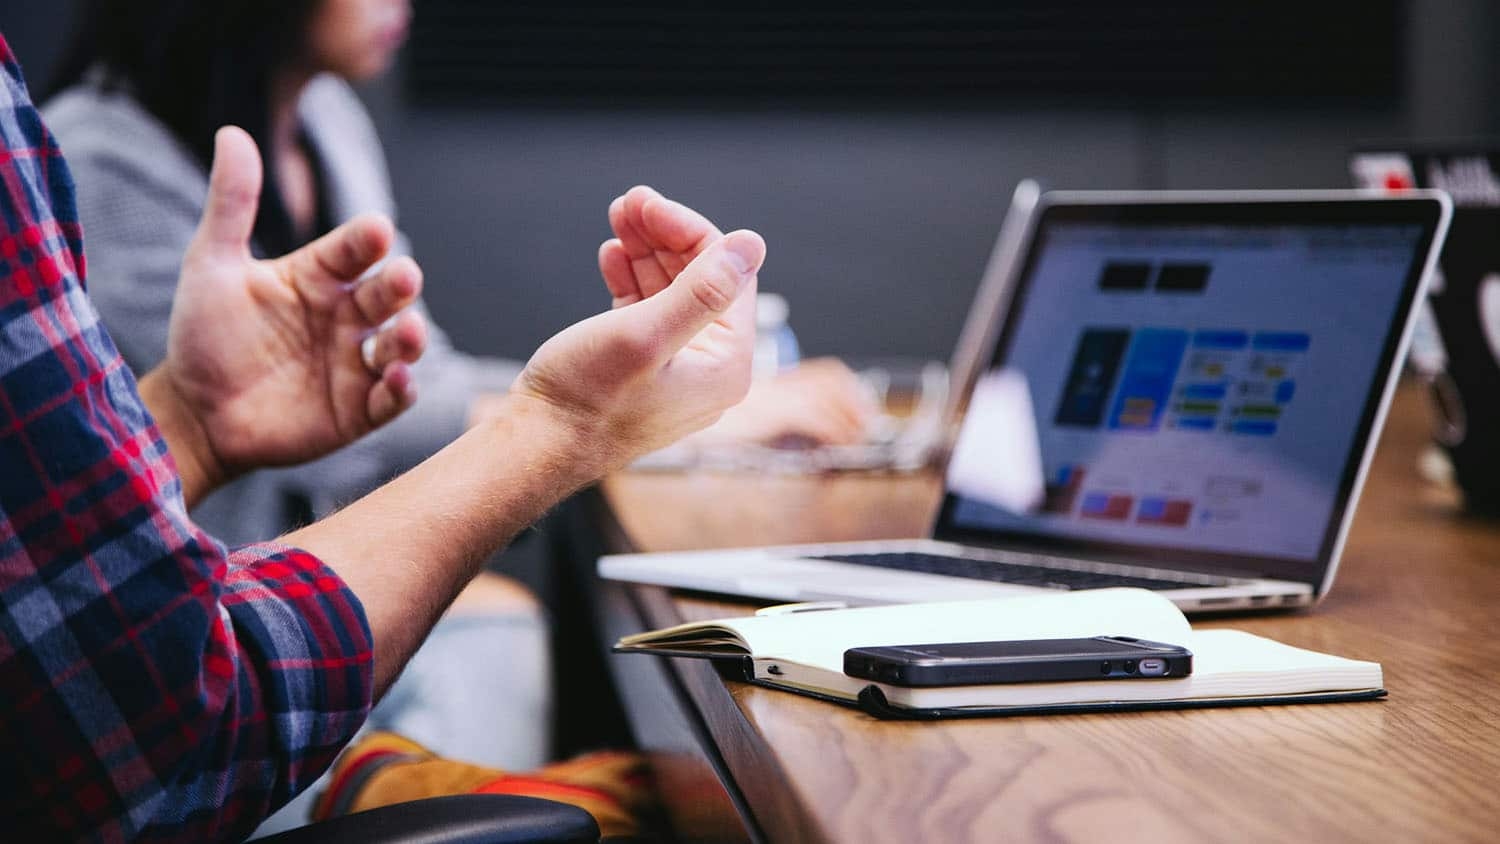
383	769
153	684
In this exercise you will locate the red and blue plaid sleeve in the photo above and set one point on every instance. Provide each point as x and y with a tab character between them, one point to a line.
153	684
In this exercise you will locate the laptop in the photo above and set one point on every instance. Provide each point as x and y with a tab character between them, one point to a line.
1206	375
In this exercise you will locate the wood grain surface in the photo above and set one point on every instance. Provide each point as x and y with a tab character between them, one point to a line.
1418	591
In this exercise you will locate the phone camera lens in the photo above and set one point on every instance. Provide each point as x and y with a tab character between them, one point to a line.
1129	666
1104	667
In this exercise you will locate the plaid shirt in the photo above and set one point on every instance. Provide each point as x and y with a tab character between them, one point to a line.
153	685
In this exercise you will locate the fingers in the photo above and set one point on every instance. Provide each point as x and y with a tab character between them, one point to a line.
392	394
820	400
614	265
826	422
342	255
398	343
645	272
846	422
658	235
708	290
403	341
844	397
233	193
671	225
828	429
809	420
396	347
388	292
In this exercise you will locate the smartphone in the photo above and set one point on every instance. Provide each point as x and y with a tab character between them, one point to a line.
1024	661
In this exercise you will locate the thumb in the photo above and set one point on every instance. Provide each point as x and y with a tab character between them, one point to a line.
233	192
704	291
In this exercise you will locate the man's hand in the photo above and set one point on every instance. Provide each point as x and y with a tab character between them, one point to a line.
264	364
675	351
820	401
655	239
668	359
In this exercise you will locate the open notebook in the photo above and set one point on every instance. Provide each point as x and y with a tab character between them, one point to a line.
804	652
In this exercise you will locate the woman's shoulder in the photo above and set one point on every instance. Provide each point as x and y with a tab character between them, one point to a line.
354	162
331	94
331	109
106	132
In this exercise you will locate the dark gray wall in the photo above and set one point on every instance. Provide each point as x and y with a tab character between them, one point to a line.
878	223
35	30
878	226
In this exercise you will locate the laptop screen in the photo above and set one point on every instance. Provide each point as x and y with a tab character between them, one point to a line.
1203	378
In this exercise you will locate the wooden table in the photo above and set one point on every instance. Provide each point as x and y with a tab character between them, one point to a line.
1418	591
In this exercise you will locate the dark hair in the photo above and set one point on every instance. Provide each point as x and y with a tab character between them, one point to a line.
197	65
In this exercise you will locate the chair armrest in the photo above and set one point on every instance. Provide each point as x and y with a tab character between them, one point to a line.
460	819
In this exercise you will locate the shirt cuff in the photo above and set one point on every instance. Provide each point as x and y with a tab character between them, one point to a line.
316	671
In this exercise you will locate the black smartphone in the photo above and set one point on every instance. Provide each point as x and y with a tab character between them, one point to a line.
1023	661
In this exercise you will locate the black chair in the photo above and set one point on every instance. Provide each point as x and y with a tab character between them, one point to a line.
460	819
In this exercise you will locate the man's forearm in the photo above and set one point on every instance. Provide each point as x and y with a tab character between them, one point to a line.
409	547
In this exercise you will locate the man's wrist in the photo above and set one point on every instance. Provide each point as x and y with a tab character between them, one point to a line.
557	443
187	439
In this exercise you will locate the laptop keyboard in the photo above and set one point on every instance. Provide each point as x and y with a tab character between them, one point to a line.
1017	573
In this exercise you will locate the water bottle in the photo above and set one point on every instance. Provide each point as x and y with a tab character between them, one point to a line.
776	346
